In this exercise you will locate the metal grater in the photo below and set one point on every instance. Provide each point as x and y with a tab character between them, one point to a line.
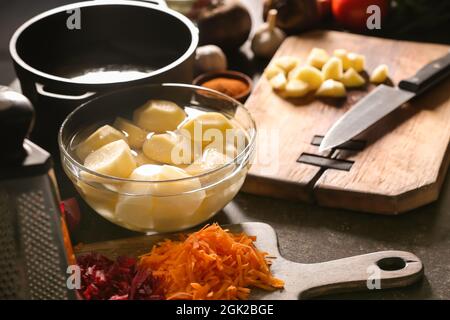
33	254
33	260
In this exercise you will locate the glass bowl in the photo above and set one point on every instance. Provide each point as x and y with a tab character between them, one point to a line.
156	205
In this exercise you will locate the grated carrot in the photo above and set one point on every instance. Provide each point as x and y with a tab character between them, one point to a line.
212	263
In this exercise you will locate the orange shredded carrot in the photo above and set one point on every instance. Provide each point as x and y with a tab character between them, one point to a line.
212	263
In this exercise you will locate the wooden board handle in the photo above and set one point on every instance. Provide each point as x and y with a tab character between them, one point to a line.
379	270
428	76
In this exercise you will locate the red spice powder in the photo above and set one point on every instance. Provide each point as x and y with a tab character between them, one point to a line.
228	86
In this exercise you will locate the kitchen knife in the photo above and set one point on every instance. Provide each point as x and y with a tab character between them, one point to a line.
382	101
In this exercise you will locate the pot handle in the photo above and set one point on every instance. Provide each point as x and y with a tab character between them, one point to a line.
40	89
162	3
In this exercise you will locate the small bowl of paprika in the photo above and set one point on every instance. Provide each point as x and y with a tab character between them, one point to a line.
235	84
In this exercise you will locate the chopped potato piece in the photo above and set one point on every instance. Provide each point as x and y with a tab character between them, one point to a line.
114	159
380	74
317	58
333	69
156	205
98	139
287	63
159	116
331	88
352	79
295	89
135	135
342	54
272	70
312	76
278	82
357	61
169	147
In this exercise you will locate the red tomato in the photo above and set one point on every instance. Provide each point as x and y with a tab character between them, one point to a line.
353	14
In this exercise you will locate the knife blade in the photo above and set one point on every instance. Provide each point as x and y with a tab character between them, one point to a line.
382	101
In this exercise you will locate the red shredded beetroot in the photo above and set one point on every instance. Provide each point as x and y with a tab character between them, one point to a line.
103	279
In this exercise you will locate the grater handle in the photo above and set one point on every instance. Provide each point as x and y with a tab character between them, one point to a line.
16	119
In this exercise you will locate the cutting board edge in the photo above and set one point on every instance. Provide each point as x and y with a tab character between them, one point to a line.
263	186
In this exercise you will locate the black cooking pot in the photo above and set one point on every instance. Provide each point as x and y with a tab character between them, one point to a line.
67	55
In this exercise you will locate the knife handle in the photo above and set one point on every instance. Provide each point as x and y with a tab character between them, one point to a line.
429	75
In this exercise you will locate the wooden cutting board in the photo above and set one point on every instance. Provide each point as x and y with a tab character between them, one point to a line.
393	268
398	165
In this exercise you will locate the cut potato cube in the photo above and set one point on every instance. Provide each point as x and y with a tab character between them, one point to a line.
272	70
312	76
380	74
159	205
287	63
333	69
278	82
357	61
114	159
159	116
169	147
317	58
295	89
342	54
331	88
352	79
98	139
135	135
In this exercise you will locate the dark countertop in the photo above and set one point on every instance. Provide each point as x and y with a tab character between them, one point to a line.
307	233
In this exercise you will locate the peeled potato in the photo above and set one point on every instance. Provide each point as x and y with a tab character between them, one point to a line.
342	55
352	79
159	116
114	159
331	88
142	159
208	127
380	74
333	69
296	88
286	63
100	199
210	160
272	70
312	76
169	147
278	82
163	206
357	61
135	135
98	139
317	57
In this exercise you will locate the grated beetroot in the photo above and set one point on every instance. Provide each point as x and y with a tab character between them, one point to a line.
103	279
